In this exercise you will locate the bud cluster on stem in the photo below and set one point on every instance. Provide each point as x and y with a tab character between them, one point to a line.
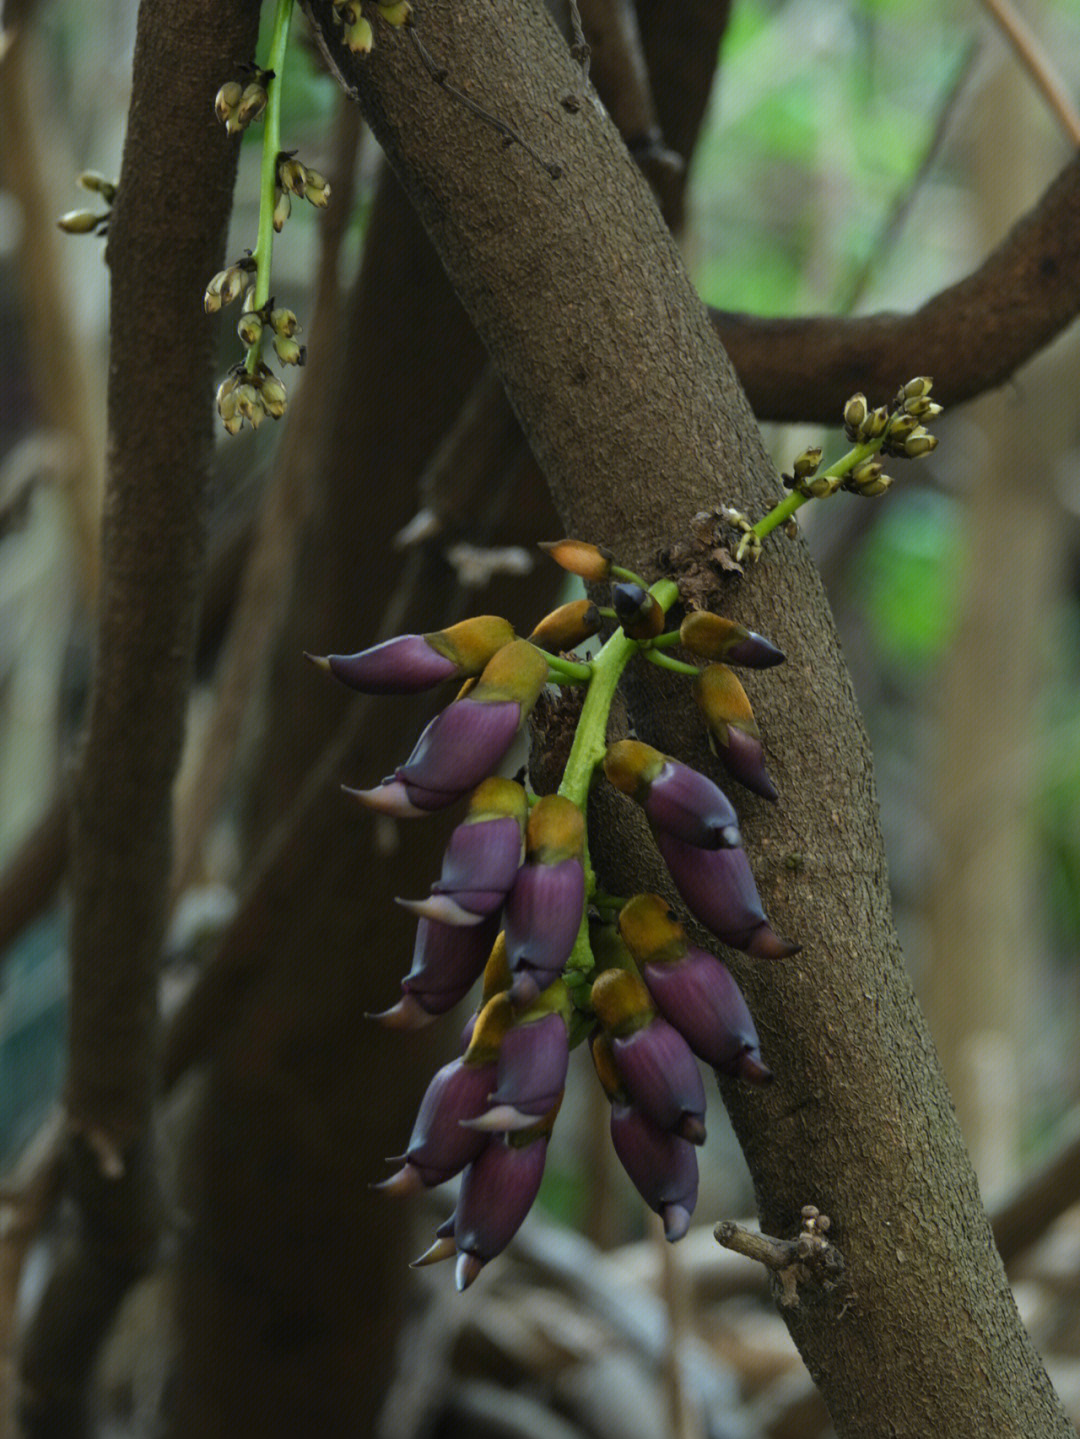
517	901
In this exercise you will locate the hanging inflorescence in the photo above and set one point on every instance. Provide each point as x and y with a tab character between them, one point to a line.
517	903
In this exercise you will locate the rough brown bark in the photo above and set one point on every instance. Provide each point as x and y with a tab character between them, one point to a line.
634	413
160	386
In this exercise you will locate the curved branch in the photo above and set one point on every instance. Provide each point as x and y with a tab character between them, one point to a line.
971	337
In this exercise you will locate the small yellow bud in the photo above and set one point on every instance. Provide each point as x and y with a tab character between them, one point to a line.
591	562
359	36
556	830
620	1001
282	208
227	99
236	282
865	472
917	388
249	328
807	463
284	322
252	104
855	412
80	222
97	185
631	765
650	930
920	443
274	397
396	14
289	352
292	176
567	627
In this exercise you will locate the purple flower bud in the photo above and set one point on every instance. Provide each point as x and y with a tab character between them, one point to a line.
409	663
462	745
403	665
443	1248
662	1167
401	801
440	1145
542	918
698	995
755	652
479	867
660	1076
689	806
719	890
744	759
497	1192
447	961
530	1075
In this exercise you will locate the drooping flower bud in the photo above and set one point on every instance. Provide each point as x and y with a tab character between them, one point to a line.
733	729
591	562
443	1247
692	990
447	961
662	1167
675	797
712	637
481	859
654	1062
719	890
497	1192
531	1073
441	1145
567	627
639	613
544	909
466	741
410	663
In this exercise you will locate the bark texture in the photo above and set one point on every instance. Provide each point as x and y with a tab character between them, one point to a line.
159	405
633	411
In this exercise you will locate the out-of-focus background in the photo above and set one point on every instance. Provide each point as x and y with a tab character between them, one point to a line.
859	155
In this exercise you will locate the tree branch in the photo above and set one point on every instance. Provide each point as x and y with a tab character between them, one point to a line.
160	388
632	409
970	337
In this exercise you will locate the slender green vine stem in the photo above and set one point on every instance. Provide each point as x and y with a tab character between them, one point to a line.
787	507
619	572
665	641
665	662
567	670
264	245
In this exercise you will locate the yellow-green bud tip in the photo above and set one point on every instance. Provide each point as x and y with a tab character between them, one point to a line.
652	934
631	765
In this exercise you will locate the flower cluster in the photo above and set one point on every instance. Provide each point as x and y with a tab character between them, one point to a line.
356	28
516	904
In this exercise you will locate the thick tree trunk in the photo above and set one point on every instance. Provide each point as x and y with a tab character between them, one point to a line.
632	409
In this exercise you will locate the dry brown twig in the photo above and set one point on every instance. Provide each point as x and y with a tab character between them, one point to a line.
809	1259
1032	55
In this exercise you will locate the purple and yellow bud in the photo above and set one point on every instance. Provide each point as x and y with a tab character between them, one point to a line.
662	1167
481	859
675	797
712	637
656	1068
640	614
544	909
591	562
733	729
531	1073
567	627
467	740
719	890
692	990
410	663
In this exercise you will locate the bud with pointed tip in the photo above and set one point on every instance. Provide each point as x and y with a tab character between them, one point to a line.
874	425
482	857
80	222
543	912
640	614
409	663
227	99
917	388
692	989
675	797
447	961
282	208
252	104
441	1145
289	352
733	729
712	637
567	627
719	890
662	1167
591	562
531	1071
807	463
497	1192
249	328
654	1063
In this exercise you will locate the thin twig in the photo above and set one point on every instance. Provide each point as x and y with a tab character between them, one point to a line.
1035	60
580	49
438	73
